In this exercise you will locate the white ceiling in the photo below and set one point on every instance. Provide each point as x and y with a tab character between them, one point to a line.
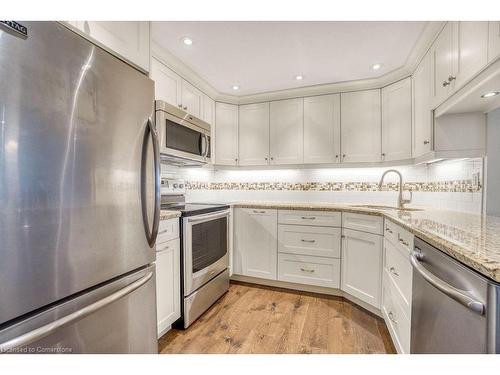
266	56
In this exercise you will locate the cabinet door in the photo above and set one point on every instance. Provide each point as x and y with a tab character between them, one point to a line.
396	121
226	134
168	299
443	56
128	39
361	126
322	129
255	243
472	43
493	40
192	99
422	108
253	134
208	109
362	265
287	131
168	84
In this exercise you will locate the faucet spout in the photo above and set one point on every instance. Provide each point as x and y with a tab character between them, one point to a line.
401	201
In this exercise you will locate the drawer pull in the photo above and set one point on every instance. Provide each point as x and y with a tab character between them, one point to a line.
306	270
308	217
259	212
165	248
391	318
402	241
388	230
163	231
310	241
393	271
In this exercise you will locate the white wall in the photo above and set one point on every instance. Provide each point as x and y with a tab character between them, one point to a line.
452	170
492	201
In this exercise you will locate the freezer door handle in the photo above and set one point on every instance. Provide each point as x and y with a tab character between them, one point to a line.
157	180
50	328
458	295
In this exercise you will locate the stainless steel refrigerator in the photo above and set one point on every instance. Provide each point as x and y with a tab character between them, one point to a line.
79	196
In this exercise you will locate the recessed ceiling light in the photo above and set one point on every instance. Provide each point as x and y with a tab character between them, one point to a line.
377	66
490	94
236	87
299	77
187	41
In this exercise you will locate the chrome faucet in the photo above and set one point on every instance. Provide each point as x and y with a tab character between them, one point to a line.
401	201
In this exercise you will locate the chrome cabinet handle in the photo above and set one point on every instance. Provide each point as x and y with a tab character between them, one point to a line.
393	271
306	270
308	217
458	295
151	236
391	317
402	241
445	83
426	142
388	230
185	108
52	327
179	105
310	241
451	78
164	248
259	212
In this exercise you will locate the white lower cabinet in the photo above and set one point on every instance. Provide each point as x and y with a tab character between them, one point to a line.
255	243
309	240
168	299
362	265
310	270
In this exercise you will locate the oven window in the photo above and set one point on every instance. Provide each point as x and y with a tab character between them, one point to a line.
181	138
209	242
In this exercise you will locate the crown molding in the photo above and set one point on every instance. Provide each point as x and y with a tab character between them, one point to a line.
420	48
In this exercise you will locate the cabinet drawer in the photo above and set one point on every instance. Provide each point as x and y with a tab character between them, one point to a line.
316	218
366	223
399	269
397	322
398	236
309	270
309	240
167	230
169	245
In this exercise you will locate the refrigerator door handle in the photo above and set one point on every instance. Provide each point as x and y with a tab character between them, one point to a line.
156	213
50	328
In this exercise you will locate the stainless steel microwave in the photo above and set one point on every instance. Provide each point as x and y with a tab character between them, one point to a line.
184	138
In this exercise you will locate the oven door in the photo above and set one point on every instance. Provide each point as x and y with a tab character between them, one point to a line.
205	250
181	139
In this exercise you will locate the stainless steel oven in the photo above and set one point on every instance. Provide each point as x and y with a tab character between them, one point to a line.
184	139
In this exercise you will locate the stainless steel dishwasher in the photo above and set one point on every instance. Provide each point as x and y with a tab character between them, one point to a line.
454	309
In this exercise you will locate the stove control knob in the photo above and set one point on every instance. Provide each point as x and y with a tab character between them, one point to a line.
175	186
181	186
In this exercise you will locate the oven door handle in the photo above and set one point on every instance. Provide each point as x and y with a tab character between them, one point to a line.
458	295
207	217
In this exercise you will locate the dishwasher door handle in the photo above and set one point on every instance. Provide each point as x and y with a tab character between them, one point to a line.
458	295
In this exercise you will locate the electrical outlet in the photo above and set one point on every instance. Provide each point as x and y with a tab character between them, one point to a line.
476	179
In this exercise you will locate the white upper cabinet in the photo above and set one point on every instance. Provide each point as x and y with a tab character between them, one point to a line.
287	131
226	134
253	134
208	109
127	39
322	129
422	108
493	40
168	84
472	49
191	99
396	121
442	52
361	126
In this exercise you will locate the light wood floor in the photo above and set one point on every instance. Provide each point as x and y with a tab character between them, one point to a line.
255	319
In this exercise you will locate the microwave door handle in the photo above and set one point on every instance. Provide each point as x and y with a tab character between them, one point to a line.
207	145
151	237
202	144
458	295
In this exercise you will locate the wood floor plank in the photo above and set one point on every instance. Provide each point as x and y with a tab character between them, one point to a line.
257	319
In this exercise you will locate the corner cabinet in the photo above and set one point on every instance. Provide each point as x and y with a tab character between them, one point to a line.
493	40
396	121
322	129
226	134
422	108
361	126
253	134
255	251
129	40
287	131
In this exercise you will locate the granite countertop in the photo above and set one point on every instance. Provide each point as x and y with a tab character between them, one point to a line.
472	239
169	214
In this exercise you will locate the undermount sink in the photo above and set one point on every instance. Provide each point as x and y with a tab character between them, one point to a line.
381	207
